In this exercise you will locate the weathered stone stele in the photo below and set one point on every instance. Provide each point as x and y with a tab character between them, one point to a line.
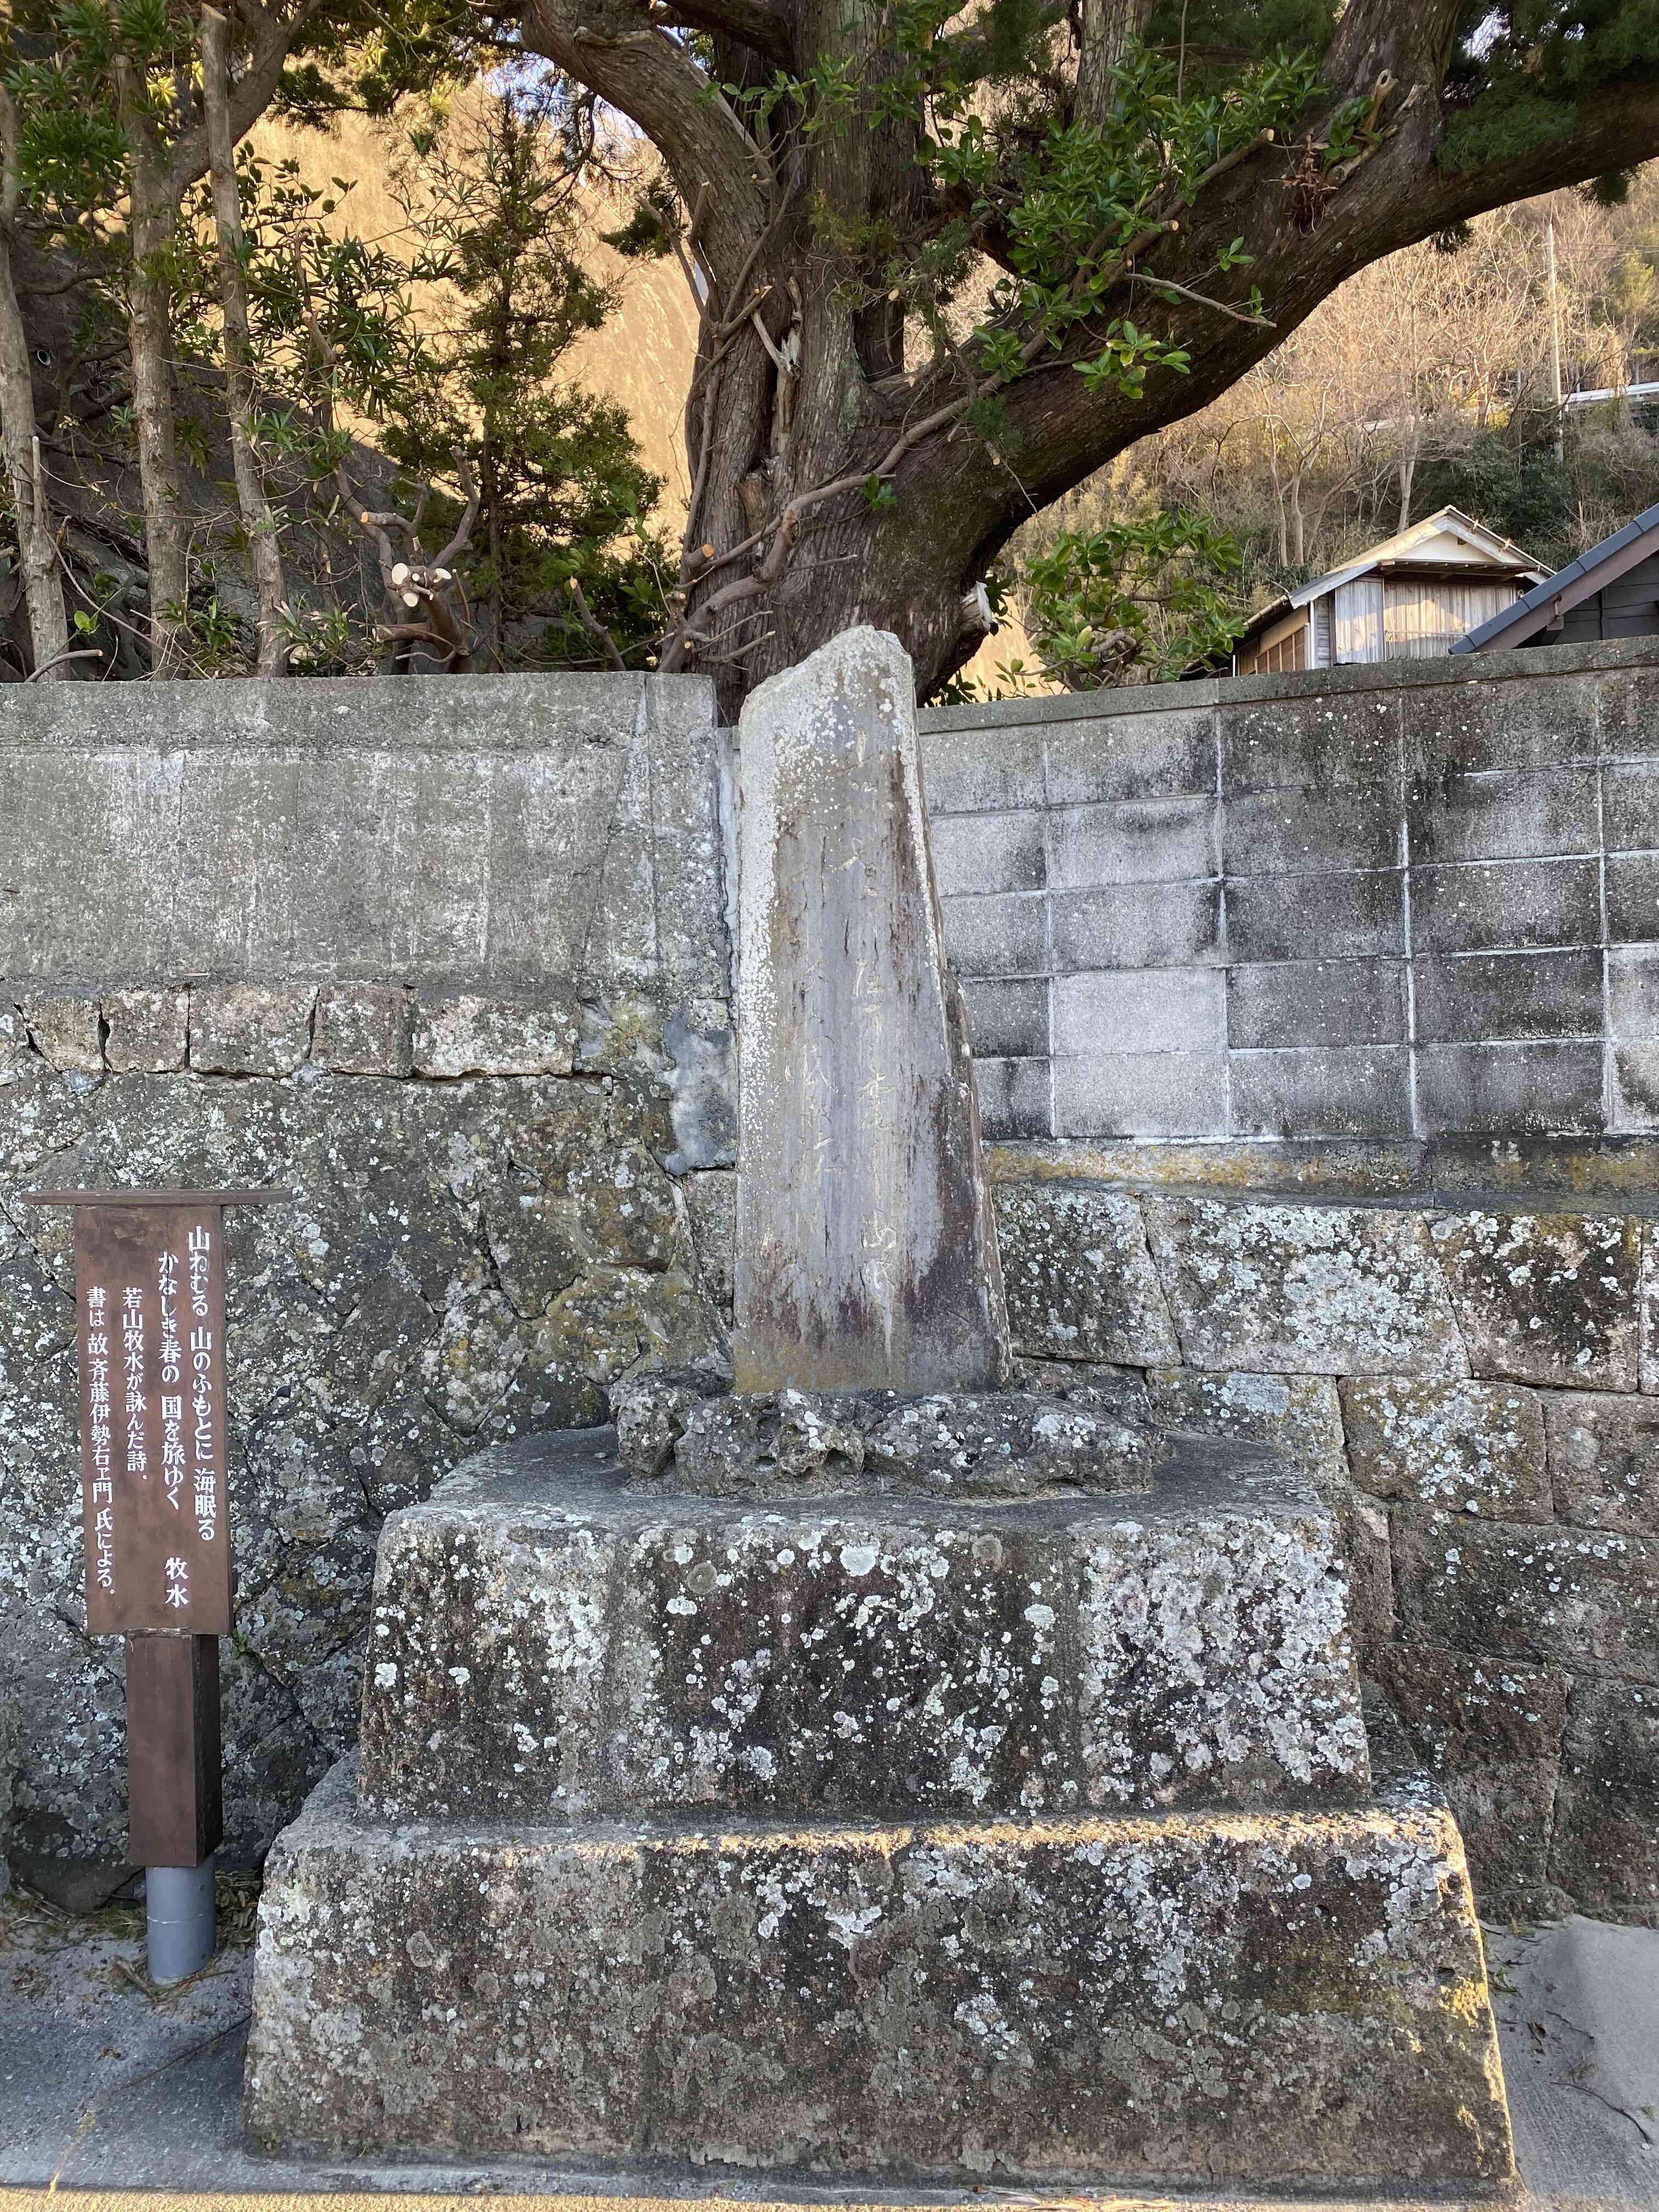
878	1770
865	1249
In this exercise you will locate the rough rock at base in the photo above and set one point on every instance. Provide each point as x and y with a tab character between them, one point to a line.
680	1430
649	1411
1269	1998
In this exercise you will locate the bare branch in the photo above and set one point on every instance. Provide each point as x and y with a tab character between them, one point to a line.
463	537
701	477
596	629
1220	307
75	652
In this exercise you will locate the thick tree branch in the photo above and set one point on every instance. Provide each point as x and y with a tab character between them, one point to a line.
265	552
1059	432
1413	43
1619	130
638	68
791	418
37	546
762	29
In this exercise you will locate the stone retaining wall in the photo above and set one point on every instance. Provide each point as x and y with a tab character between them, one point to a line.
458	979
1472	1388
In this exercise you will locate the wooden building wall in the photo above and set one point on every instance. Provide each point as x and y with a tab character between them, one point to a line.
1628	607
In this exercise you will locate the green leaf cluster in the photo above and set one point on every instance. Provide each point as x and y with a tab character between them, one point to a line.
1139	600
1067	206
564	493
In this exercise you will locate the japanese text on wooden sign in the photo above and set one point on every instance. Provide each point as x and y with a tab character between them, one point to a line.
151	1308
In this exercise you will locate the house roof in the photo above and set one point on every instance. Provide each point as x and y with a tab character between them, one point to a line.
1447	540
1580	579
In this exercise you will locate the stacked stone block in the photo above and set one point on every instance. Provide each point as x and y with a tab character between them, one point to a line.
1031	1840
1398	904
1473	1393
455	974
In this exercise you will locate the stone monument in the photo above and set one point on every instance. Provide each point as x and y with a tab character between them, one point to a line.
865	1253
879	1769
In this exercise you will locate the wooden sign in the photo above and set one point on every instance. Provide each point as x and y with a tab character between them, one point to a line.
150	1303
150	1295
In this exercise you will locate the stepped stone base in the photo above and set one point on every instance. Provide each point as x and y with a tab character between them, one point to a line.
550	1643
894	1836
1201	1997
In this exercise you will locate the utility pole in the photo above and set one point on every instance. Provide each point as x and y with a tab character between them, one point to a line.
1555	345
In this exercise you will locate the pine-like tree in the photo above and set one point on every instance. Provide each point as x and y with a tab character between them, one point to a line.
561	570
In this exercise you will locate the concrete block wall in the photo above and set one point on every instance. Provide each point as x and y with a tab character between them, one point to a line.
1400	902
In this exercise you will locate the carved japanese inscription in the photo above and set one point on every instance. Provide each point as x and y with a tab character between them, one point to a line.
149	1284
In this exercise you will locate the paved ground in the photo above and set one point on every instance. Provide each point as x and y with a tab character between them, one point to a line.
106	2087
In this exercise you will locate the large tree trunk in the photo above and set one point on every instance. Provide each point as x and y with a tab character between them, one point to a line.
37	549
152	218
802	399
259	524
1105	28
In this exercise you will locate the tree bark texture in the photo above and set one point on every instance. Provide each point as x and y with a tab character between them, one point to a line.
153	218
37	549
259	524
159	177
800	394
43	587
1105	28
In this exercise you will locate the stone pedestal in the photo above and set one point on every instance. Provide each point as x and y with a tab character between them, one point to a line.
1031	1840
878	1770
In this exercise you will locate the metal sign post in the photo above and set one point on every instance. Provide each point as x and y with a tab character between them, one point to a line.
150	1300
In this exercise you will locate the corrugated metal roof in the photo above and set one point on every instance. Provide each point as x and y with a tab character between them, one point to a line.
1503	553
1532	610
